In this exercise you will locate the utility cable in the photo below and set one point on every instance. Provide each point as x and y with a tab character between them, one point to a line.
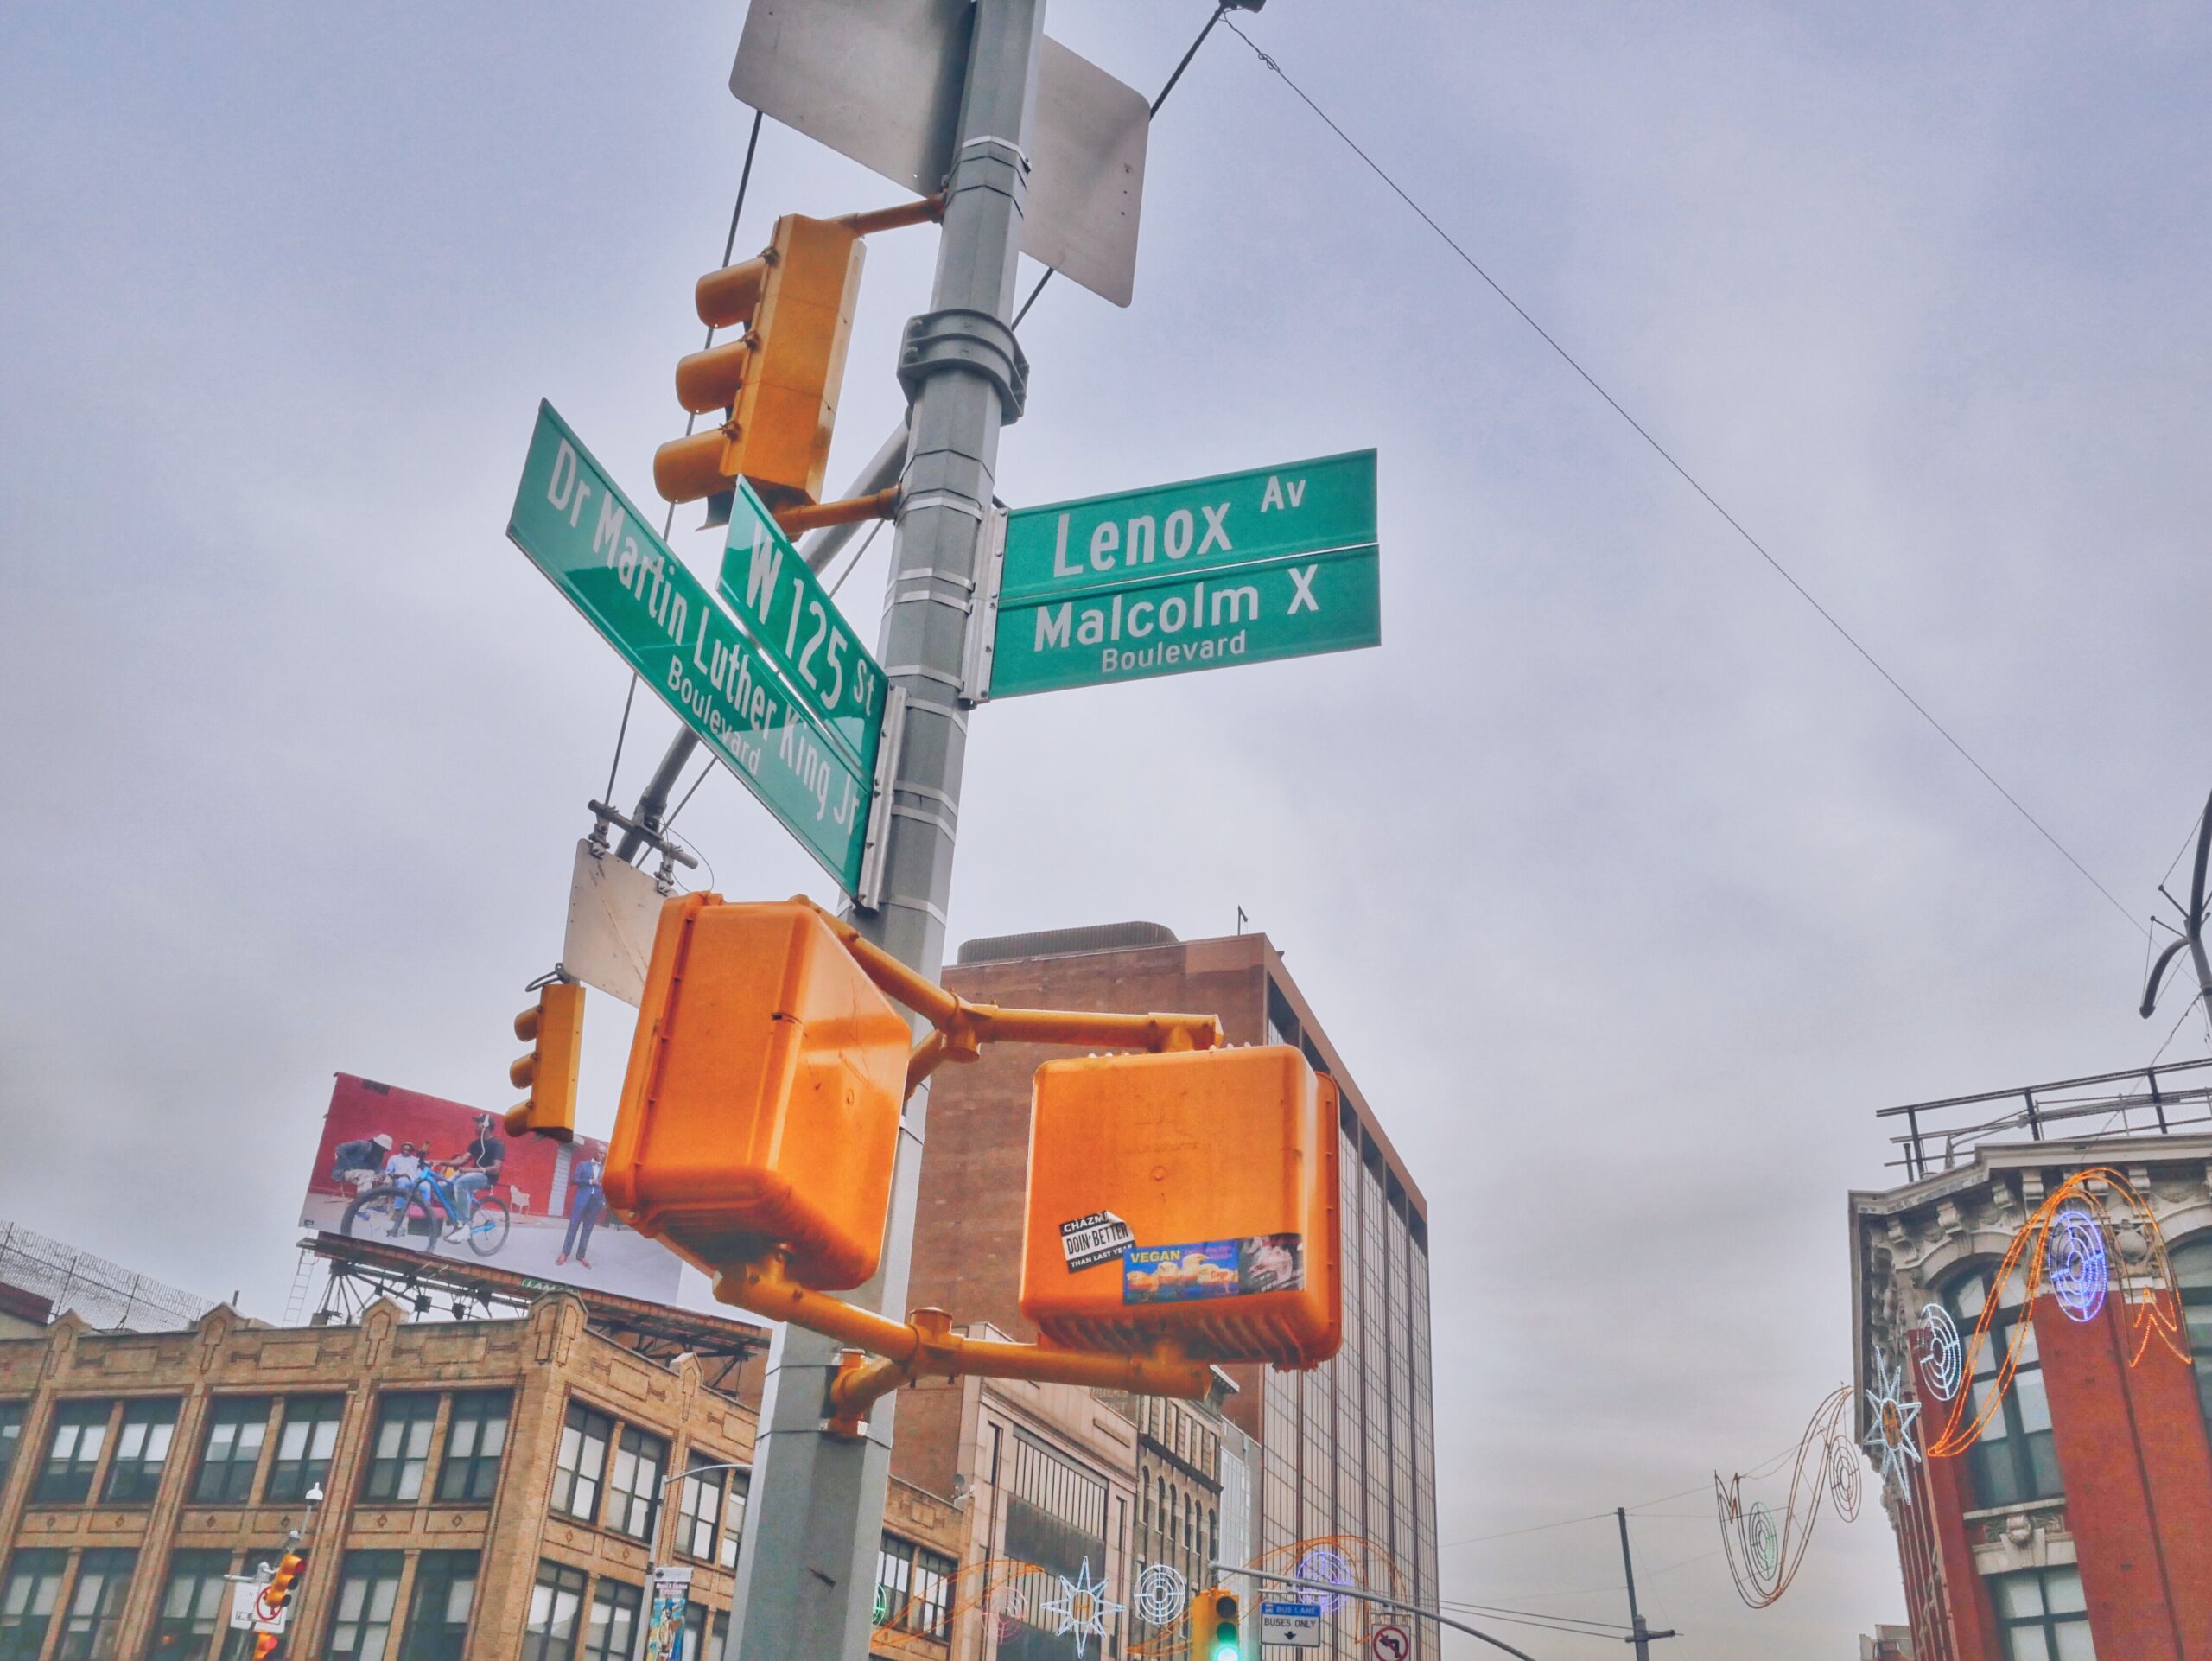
1687	477
668	520
1151	111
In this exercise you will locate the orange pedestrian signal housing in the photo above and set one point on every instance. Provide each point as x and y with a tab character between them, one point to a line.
1189	1198
778	380
760	1111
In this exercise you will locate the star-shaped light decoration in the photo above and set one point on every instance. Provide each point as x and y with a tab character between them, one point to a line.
1081	1608
1893	1438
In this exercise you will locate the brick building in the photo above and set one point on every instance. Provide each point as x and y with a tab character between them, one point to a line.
1344	1452
2079	1524
491	1488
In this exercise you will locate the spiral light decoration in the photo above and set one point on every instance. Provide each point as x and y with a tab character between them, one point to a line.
1765	1547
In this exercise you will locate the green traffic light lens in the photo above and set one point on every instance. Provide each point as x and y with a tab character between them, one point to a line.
1225	1649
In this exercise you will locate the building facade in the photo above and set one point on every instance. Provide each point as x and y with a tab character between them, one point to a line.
1338	1460
2078	1524
468	1490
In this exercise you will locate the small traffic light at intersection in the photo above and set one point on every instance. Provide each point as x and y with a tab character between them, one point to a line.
554	1028
1216	1631
777	382
270	1600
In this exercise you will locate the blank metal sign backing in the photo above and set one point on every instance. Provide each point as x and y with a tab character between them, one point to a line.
879	81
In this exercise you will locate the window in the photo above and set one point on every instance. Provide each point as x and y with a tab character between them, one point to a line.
640	1460
475	1440
368	1595
554	1601
26	1601
72	1453
237	1428
88	1633
699	1511
2192	1274
694	1632
304	1445
437	1613
580	1462
613	1621
2043	1614
717	1637
11	1437
913	1588
191	1607
142	1453
740	1484
399	1448
2014	1458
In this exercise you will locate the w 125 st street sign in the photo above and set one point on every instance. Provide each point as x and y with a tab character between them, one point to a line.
1242	568
780	692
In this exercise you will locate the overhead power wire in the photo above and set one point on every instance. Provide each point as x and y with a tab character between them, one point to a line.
668	520
1688	478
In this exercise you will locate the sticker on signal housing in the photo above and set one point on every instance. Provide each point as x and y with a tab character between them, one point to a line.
1099	1238
1213	1269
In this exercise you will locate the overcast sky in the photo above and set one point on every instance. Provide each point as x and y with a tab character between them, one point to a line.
1628	891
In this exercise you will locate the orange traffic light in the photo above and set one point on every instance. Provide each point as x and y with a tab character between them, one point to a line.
278	1591
1215	1630
1189	1197
778	381
274	1596
761	1107
554	1028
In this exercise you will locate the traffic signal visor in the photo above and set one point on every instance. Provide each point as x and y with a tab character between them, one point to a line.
554	1029
1190	1196
778	380
279	1589
761	1106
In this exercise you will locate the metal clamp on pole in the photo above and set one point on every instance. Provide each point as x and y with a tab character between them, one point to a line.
639	832
959	338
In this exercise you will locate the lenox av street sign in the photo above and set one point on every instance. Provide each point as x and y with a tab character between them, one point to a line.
1240	568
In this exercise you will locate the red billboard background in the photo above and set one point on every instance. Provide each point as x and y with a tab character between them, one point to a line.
558	1228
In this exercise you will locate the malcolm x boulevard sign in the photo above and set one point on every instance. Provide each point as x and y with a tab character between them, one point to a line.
1242	568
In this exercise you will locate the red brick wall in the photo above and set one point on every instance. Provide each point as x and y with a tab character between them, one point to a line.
2138	1485
1950	1496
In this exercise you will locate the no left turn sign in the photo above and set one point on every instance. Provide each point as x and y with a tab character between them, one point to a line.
1391	1643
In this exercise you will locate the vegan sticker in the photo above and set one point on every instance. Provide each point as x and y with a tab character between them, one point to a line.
1213	1269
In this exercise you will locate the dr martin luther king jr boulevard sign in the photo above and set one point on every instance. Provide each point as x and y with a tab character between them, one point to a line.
1240	568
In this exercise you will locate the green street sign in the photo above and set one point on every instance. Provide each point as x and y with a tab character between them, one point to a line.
783	606
1242	568
578	528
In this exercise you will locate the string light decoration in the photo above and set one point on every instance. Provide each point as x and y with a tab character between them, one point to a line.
993	1586
1943	1358
1081	1608
1764	1554
1329	1566
1162	1594
2079	1214
2084	1268
1891	1433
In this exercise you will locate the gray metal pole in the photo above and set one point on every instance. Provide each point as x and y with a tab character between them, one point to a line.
806	1570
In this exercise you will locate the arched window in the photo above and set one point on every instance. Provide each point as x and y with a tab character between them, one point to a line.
2014	1458
2193	1275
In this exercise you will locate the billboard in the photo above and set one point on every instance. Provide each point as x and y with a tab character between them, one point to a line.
402	1168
